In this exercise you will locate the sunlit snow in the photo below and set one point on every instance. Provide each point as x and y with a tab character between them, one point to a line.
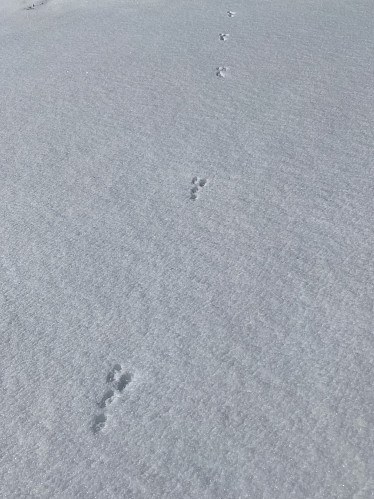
186	264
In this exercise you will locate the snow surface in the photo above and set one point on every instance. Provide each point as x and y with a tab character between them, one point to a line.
160	338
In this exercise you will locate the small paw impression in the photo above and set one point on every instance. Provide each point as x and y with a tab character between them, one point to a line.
35	5
222	71
117	380
197	185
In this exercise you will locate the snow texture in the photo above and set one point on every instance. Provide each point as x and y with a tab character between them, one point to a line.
186	265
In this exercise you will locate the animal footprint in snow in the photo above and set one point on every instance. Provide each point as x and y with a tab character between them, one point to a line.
194	192
114	374
117	381
223	36
99	423
221	72
230	13
107	399
123	381
35	5
197	184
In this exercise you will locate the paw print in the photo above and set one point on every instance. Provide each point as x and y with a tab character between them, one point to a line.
221	71
117	382
197	184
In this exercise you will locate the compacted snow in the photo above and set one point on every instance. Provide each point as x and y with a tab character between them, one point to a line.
186	267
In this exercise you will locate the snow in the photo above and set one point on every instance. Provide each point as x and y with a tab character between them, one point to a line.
186	229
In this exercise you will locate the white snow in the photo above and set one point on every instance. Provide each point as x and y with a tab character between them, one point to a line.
186	265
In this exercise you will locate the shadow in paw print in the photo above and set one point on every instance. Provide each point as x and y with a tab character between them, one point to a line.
113	374
107	399
221	71
124	380
99	423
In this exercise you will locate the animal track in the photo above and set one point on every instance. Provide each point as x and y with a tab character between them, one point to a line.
123	382
221	71
117	382
99	423
107	399
35	5
114	374
197	184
